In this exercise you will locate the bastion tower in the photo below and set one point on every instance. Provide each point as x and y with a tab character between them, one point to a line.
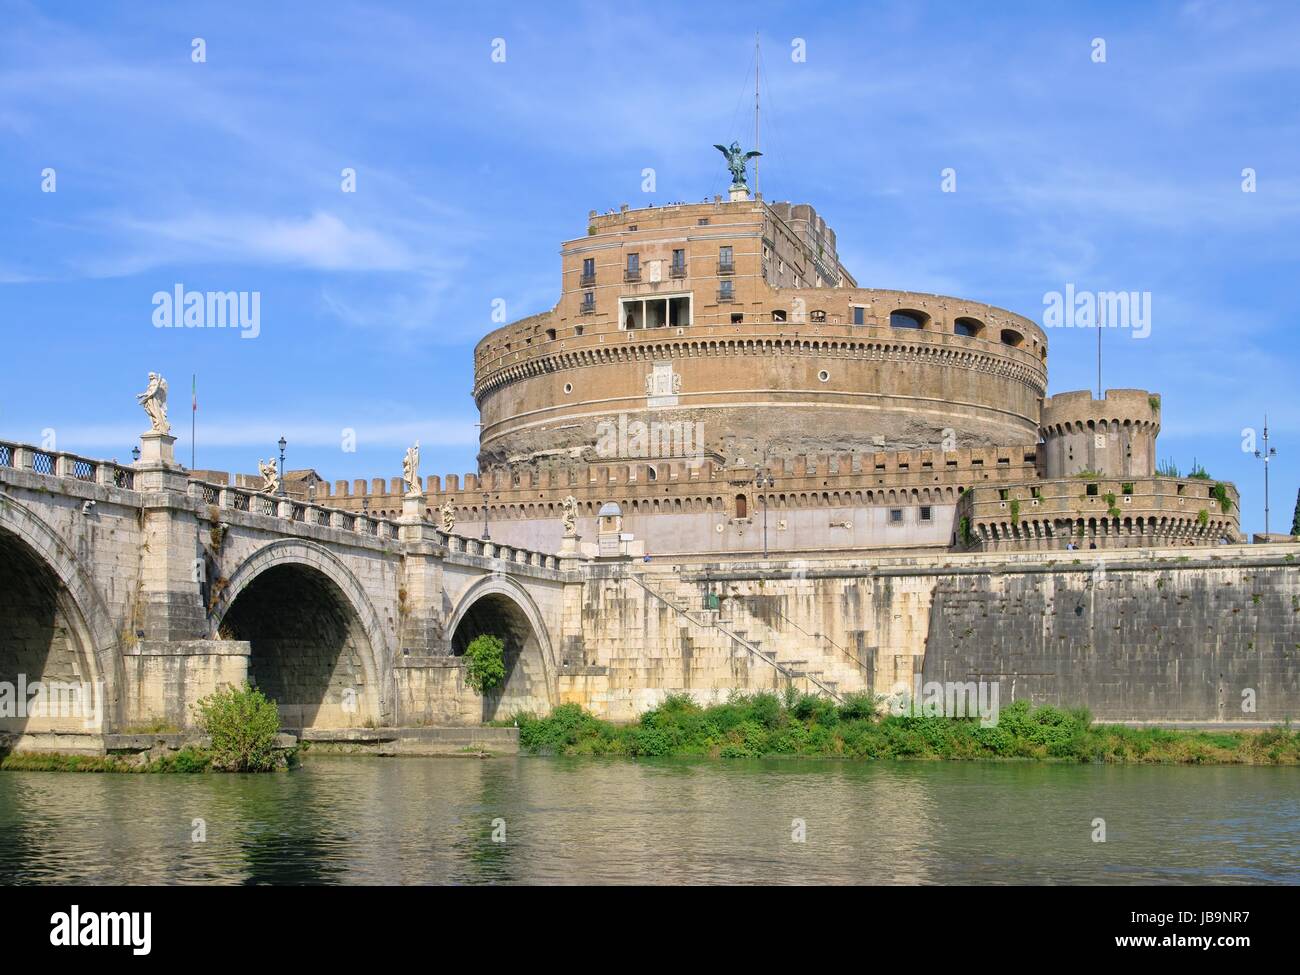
736	320
718	383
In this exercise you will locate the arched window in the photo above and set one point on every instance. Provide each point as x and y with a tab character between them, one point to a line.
970	327
778	315
907	319
817	315
742	506
1012	338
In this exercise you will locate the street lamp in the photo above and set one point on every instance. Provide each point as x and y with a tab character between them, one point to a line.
1264	455
486	536
280	487
135	453
763	480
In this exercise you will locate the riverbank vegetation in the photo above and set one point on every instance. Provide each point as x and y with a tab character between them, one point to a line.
241	726
764	725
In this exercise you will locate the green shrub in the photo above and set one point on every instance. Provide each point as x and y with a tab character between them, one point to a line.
243	724
487	663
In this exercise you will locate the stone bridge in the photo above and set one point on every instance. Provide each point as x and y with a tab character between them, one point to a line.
157	589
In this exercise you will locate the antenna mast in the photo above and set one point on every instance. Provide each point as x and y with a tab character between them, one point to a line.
756	142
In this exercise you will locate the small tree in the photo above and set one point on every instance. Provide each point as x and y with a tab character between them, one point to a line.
487	663
1295	520
242	723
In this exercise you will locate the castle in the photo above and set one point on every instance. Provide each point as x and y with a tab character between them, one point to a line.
714	371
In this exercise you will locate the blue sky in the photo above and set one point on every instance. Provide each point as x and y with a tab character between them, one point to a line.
225	175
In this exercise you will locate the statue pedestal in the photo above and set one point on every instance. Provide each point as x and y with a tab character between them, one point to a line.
413	507
569	547
157	450
740	194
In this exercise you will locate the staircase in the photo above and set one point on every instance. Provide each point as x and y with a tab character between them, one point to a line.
793	669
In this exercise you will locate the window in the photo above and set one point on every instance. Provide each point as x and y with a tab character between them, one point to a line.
726	290
906	319
550	334
588	271
1012	338
817	315
823	376
737	317
726	260
702	222
742	506
859	315
895	516
926	513
969	327
677	268
1092	490
654	312
778	315
633	271
588	302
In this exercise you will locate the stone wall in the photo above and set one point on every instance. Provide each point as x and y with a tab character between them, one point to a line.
1152	640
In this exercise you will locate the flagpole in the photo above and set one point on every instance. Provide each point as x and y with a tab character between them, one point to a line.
194	413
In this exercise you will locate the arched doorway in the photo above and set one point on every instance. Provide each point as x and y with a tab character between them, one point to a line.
513	619
49	679
310	651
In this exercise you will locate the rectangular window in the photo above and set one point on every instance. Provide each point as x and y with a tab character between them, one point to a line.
588	267
925	513
859	315
726	290
726	260
896	516
634	262
588	301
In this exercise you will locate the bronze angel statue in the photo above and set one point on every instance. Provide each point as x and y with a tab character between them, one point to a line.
736	159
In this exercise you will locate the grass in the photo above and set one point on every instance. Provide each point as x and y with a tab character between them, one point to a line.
763	725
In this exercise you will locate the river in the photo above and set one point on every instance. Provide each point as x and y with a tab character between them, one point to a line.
362	820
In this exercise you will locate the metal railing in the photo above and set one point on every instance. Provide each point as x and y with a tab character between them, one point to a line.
58	464
677	270
632	274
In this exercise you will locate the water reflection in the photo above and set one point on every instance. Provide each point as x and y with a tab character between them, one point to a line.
413	821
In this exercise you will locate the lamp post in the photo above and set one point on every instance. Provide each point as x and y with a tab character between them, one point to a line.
1265	455
135	453
486	537
280	479
763	480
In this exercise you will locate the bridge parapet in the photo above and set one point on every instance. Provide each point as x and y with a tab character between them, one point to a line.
488	549
292	510
56	463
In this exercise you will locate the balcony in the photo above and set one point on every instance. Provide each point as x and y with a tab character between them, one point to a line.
726	296
632	274
587	308
587	280
676	270
726	267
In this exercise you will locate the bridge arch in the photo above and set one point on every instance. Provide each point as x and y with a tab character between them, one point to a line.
500	606
55	628
317	645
